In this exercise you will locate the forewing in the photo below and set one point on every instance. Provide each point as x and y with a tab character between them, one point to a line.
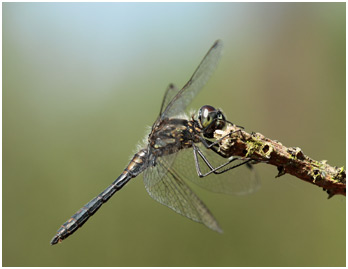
165	186
199	78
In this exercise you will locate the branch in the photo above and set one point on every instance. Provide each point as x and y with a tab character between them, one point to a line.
236	142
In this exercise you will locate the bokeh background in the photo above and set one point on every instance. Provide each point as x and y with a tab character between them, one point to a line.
82	80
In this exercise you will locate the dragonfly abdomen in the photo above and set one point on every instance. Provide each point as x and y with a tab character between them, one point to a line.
135	167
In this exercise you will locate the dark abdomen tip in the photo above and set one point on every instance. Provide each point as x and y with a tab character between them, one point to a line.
54	240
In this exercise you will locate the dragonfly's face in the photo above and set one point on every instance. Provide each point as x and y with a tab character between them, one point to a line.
210	119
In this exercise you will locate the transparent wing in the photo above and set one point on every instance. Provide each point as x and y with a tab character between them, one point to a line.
184	97
171	91
240	180
165	186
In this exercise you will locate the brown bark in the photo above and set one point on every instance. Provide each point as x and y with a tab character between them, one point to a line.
236	142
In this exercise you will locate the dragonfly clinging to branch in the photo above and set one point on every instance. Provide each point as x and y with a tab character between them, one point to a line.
164	159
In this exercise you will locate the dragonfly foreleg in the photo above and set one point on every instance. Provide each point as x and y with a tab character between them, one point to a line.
214	145
214	170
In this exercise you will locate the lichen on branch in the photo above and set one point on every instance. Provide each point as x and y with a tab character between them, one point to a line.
234	141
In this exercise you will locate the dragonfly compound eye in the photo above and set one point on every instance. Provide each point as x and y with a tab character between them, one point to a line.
206	115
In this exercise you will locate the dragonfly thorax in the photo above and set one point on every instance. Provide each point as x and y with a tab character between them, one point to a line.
171	136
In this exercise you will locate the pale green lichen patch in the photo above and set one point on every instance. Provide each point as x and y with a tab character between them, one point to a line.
340	175
318	171
316	174
295	153
261	148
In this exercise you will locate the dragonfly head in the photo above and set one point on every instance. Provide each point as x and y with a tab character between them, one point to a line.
210	119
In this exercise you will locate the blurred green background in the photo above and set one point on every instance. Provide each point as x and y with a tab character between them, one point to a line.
81	81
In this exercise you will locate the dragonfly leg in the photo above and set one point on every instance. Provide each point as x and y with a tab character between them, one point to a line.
214	170
214	145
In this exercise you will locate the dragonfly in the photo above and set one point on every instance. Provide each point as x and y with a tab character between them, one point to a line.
179	149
